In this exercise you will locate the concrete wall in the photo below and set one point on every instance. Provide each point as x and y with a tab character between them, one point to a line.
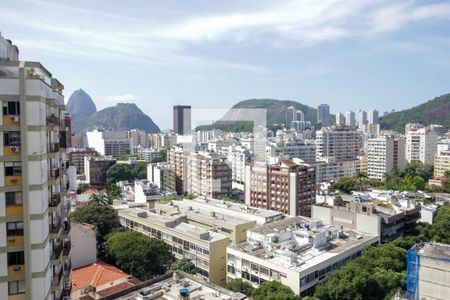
84	245
434	278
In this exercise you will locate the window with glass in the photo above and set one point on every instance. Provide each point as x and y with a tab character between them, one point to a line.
16	287
11	138
11	108
13	168
16	258
13	198
14	228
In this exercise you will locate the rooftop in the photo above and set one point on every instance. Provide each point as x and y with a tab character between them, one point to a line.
168	287
299	243
434	250
175	223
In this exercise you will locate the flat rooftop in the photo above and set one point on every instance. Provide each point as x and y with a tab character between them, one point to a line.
307	246
169	289
230	209
175	223
436	250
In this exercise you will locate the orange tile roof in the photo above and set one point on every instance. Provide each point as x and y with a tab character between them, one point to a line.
114	289
94	275
90	191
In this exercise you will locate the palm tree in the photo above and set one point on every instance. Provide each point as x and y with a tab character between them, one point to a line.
99	198
360	176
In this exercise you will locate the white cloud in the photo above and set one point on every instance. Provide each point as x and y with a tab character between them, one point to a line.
122	98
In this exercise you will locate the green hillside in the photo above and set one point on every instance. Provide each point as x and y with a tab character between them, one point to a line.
276	114
436	111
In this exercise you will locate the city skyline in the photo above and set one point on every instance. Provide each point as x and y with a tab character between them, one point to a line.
206	55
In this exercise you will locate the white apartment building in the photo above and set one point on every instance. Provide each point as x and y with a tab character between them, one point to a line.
372	117
209	175
329	169
149	154
145	191
350	119
340	119
138	137
385	154
34	230
162	175
292	148
339	142
162	140
113	143
361	119
421	143
297	251
237	158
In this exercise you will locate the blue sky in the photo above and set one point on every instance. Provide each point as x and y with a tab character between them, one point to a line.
351	54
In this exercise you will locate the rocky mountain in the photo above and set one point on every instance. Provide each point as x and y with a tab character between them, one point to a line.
276	114
435	111
123	116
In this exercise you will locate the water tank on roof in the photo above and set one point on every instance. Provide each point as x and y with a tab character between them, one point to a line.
184	293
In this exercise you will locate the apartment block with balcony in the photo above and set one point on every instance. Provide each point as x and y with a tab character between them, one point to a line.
34	229
288	187
206	249
384	154
421	143
176	158
441	163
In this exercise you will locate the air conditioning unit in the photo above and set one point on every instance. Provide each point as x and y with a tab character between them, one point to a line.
14	148
16	268
14	118
13	180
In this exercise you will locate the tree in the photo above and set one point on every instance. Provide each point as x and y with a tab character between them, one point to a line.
240	286
273	290
439	231
184	265
100	198
138	254
104	218
82	187
119	172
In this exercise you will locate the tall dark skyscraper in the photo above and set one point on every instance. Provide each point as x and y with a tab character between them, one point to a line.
182	119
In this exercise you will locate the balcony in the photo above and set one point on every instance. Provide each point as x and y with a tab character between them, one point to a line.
11	120
66	227
63	139
56	280
55	200
52	120
55	228
14	241
11	150
13	180
67	268
16	270
53	147
57	250
54	174
67	246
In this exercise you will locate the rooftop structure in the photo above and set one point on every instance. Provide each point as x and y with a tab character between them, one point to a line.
298	251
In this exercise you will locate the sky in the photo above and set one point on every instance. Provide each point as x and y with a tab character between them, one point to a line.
351	54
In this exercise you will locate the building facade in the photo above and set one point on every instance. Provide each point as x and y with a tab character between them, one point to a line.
421	143
77	155
441	164
182	119
34	230
384	154
323	114
96	167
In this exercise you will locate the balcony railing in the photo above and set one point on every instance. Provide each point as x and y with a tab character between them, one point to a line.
55	200
66	227
54	147
57	278
57	250
52	120
54	173
54	228
66	248
67	268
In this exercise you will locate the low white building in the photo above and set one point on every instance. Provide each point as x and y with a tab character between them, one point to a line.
297	251
145	191
428	213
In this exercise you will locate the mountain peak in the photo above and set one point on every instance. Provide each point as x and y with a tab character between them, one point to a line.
80	103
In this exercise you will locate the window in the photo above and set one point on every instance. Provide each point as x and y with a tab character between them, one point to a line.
11	138
14	228
16	287
13	168
16	258
13	198
11	108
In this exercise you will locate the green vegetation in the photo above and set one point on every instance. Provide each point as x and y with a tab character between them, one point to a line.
82	187
119	172
273	290
184	265
380	271
104	218
138	254
167	198
276	114
240	286
100	198
413	178
436	111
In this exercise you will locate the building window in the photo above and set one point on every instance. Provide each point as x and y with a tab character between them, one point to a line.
11	108
13	198
16	258
16	287
13	168
14	228
11	138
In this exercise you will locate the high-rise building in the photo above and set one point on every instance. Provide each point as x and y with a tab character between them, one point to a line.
209	175
110	143
340	119
138	137
372	117
291	115
361	119
323	114
300	116
421	143
338	142
178	163
77	155
34	240
385	154
288	186
350	119
182	119
441	163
